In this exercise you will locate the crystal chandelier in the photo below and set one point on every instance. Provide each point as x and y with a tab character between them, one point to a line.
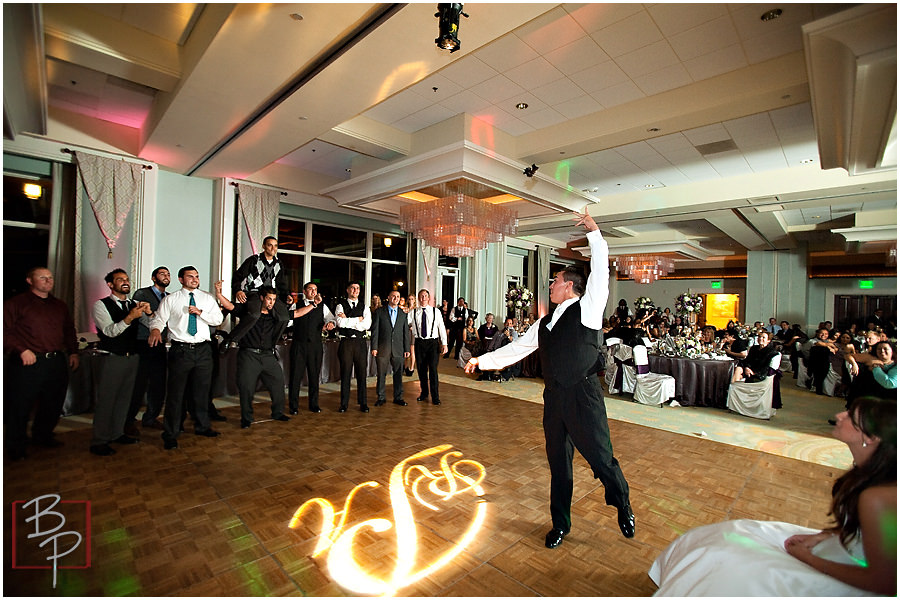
644	268
458	224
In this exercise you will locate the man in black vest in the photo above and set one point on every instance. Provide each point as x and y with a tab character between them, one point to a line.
116	318
353	320
458	316
306	348
151	375
574	413
257	271
390	346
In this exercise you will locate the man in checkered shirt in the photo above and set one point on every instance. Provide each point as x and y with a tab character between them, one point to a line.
258	271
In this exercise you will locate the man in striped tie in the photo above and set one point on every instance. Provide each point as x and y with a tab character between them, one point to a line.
188	313
116	318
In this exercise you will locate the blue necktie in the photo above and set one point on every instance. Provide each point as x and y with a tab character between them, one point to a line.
192	318
424	330
393	316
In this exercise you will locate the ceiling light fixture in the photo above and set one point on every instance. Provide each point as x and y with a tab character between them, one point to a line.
530	171
448	26
771	15
521	105
458	224
644	268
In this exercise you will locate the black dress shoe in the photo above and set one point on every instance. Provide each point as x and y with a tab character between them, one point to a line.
422	399
124	439
408	372
281	418
364	408
217	417
342	409
170	444
102	450
315	410
245	424
207	433
554	537
435	402
626	520
294	411
400	402
380	402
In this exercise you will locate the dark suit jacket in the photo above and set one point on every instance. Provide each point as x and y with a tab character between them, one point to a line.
390	341
145	294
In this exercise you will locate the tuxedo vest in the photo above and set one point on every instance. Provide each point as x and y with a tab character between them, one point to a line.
569	352
308	328
352	313
125	341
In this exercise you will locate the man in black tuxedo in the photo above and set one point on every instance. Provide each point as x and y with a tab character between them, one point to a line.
568	342
390	346
458	316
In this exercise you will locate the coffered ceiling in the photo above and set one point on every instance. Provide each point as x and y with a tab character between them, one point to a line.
702	130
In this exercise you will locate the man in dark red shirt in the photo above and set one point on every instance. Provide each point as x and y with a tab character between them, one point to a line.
39	332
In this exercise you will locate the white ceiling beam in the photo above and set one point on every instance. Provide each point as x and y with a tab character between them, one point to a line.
728	223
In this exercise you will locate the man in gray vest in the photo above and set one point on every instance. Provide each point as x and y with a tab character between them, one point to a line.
116	318
569	343
306	348
390	346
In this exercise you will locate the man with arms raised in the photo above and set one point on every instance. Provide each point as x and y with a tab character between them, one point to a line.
574	413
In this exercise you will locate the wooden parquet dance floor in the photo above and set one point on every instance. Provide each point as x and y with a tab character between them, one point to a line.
212	518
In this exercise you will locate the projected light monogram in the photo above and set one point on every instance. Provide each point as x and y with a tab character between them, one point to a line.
452	478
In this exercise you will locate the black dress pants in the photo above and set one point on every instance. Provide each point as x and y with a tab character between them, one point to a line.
306	357
42	387
428	353
353	354
575	417
253	366
389	364
455	333
150	383
189	365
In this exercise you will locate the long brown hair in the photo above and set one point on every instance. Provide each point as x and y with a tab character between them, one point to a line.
875	417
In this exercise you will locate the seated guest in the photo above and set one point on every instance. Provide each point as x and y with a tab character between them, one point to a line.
676	327
858	554
819	358
708	334
487	331
734	346
506	335
878	376
756	366
795	335
783	334
866	353
471	341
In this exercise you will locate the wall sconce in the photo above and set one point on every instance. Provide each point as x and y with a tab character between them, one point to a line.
33	191
448	26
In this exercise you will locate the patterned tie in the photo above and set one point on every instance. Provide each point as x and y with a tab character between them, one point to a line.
192	318
424	330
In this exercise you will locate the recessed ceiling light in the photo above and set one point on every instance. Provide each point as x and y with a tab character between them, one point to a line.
817	217
806	161
434	89
770	15
521	106
297	16
653	129
561	152
303	118
649	185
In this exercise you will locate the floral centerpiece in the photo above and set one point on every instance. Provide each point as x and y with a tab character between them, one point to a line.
519	298
685	304
644	302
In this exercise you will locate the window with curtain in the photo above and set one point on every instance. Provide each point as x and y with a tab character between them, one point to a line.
27	203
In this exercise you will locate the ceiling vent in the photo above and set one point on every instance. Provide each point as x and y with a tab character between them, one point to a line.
716	147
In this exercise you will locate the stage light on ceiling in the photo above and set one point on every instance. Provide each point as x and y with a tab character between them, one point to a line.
448	26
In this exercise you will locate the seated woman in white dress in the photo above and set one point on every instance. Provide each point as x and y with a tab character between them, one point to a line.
858	556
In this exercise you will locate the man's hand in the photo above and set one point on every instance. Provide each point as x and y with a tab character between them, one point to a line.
141	308
586	221
218	286
28	357
406	355
193	310
471	365
241	296
74	361
154	338
329	325
443	349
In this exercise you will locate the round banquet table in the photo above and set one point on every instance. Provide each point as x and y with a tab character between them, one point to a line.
698	382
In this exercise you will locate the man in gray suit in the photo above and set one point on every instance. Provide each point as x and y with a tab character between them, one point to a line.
390	346
151	374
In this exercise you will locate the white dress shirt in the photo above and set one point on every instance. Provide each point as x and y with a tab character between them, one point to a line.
593	302
353	322
173	312
434	324
103	320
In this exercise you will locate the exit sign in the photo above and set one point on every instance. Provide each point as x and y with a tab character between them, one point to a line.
866	284
716	285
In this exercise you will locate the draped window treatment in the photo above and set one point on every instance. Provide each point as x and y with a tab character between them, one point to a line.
113	186
259	208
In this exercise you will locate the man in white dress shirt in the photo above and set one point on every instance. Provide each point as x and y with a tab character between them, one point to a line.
569	343
353	319
430	343
188	313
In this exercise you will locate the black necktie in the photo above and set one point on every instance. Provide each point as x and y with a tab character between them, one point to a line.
125	305
424	330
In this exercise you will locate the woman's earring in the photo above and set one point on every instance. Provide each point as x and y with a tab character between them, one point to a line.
864	444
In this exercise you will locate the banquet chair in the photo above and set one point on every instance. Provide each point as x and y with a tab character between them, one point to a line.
611	345
650	388
624	378
802	373
831	381
755	399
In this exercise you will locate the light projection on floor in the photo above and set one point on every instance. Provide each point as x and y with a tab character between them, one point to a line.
409	479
